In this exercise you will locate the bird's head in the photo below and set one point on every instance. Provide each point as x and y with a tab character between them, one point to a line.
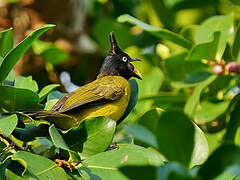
118	63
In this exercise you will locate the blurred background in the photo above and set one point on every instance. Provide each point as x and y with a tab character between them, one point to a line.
79	42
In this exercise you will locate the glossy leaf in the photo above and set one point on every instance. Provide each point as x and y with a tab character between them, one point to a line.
55	95
149	85
226	157
6	42
30	132
8	124
205	50
15	99
201	150
91	137
194	99
46	90
236	45
38	167
210	111
150	119
140	172
16	53
142	134
159	32
105	165
175	136
223	24
174	171
26	83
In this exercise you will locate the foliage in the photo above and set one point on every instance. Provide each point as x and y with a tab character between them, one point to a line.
182	121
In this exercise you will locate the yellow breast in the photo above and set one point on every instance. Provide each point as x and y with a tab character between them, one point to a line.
113	109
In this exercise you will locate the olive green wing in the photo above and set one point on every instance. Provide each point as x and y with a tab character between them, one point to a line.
100	89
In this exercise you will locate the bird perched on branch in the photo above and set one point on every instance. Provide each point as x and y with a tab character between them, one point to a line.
107	96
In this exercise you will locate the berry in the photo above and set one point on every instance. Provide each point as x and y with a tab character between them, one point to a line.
232	67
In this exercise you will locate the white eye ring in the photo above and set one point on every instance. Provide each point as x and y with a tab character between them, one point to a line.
124	59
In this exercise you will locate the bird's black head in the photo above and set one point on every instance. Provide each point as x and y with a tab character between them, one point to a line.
117	63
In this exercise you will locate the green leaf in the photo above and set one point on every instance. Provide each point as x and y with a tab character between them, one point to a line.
175	136
8	124
10	79
174	171
132	100
233	128
26	83
222	24
49	104
236	44
205	50
192	102
38	167
12	176
208	111
159	32
140	172
91	137
150	119
188	72
148	86
105	165
226	157
46	90
55	55
15	99
142	134
6	42
201	149
16	53
55	95
31	132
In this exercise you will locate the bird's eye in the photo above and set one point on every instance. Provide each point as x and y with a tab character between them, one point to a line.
124	59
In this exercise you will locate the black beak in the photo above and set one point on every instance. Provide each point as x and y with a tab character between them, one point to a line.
114	46
134	59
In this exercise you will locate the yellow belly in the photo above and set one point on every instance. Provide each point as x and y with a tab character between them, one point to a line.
113	110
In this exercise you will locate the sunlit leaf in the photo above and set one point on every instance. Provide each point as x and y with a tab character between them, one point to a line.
6	42
91	137
159	32
46	90
223	24
26	83
38	167
105	165
16	53
8	124
18	99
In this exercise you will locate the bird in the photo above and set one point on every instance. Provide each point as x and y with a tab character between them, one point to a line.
107	96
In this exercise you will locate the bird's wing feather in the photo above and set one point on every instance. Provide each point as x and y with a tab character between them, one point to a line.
100	89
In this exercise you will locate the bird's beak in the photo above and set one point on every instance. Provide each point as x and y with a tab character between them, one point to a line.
134	59
137	74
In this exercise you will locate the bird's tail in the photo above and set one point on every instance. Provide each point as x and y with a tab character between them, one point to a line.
60	120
